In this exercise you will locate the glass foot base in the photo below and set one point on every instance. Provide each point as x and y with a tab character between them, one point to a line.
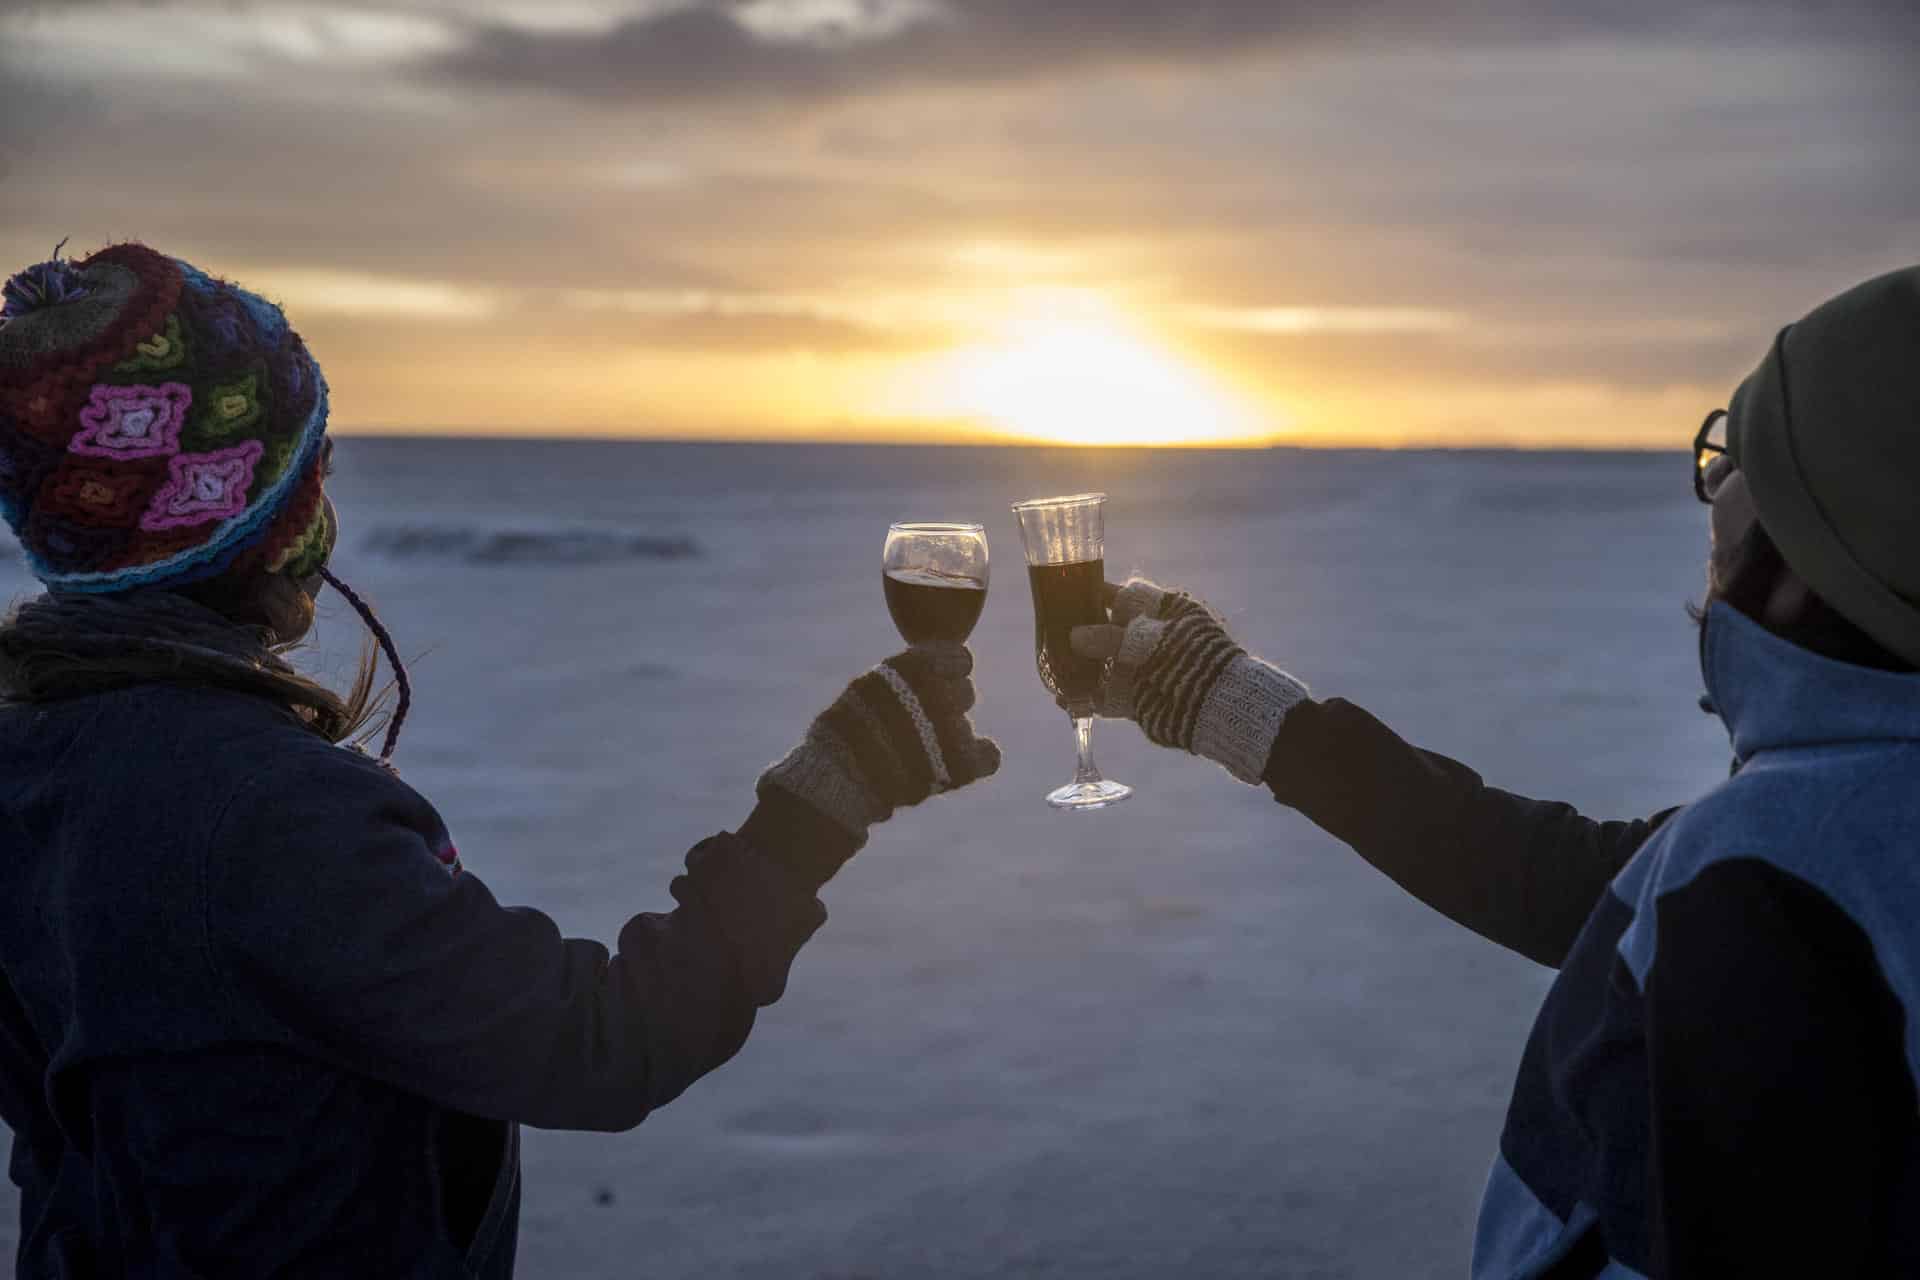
1084	797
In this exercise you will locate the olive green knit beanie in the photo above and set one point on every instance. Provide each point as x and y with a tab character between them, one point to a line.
1827	434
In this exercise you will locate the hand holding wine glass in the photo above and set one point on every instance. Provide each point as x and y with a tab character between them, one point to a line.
1177	673
901	732
895	735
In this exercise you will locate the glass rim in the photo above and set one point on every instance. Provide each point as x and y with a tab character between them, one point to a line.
1069	500
935	526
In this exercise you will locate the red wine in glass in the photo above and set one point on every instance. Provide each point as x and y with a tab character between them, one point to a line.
1066	596
931	606
935	580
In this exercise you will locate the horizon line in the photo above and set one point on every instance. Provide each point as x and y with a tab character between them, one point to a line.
1302	445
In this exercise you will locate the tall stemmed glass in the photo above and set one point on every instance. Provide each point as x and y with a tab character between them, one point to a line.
935	577
1066	566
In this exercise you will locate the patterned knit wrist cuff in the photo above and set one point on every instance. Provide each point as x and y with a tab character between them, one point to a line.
1241	716
821	773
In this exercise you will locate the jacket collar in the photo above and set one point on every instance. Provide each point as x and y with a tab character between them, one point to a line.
1772	693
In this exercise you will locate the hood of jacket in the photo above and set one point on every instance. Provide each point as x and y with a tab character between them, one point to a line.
1772	694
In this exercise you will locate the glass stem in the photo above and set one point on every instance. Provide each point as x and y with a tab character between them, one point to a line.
1086	770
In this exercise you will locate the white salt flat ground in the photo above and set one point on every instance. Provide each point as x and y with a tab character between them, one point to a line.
1193	1036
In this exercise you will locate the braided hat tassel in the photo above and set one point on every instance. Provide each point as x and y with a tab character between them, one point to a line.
381	634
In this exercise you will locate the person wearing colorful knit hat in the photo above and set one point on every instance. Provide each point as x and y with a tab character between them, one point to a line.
1722	1080
255	1017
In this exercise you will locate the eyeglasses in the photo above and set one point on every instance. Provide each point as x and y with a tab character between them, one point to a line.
1711	461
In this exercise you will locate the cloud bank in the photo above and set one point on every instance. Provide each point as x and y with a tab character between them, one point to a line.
717	211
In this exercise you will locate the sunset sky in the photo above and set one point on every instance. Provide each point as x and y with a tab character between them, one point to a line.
1380	222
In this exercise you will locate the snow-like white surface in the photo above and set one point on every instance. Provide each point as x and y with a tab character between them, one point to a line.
1192	1036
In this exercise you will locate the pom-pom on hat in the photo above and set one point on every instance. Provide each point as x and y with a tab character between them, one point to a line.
158	426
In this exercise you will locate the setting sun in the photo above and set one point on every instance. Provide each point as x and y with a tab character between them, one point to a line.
1070	368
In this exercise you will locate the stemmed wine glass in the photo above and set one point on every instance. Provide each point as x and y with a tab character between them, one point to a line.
1066	566
935	577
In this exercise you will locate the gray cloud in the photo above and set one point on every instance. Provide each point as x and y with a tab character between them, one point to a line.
754	333
9	8
703	53
355	183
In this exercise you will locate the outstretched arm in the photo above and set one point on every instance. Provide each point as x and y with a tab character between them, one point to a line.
339	925
1524	873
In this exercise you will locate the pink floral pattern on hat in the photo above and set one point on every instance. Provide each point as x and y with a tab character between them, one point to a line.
203	487
133	422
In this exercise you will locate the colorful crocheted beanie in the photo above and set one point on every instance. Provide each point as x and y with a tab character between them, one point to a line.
157	426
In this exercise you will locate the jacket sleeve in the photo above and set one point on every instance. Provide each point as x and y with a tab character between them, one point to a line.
1782	1106
344	929
1523	873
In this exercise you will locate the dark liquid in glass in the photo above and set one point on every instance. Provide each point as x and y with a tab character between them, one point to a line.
930	607
1066	596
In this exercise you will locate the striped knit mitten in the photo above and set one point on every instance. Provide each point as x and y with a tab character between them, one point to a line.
897	735
1179	675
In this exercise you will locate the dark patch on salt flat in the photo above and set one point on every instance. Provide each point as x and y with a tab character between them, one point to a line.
528	546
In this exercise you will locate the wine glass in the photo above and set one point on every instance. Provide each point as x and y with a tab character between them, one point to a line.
935	577
1066	567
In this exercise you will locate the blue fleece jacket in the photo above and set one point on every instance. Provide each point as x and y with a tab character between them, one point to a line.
1721	1081
255	1020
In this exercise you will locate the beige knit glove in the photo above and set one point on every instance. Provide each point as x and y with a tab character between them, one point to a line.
1178	674
895	736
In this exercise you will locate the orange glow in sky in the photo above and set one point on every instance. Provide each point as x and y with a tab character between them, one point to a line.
1069	368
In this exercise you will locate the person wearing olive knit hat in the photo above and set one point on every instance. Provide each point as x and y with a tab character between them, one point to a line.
1826	433
1722	1079
256	1017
